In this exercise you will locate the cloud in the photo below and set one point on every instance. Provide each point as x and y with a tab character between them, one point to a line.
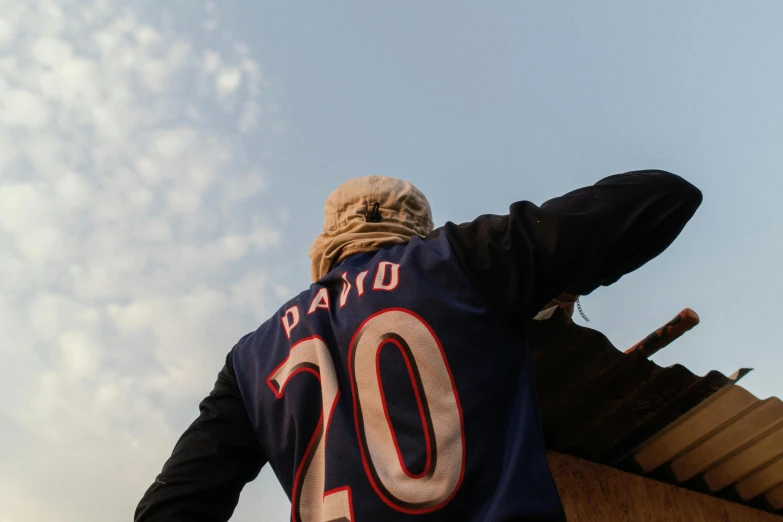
131	226
228	80
212	61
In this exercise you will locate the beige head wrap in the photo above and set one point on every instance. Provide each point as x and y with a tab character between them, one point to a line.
404	211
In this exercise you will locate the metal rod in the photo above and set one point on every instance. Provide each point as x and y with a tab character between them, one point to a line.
667	333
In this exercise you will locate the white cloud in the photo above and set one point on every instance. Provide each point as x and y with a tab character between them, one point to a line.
23	109
209	24
23	205
80	356
6	32
73	190
228	80
212	61
129	213
51	52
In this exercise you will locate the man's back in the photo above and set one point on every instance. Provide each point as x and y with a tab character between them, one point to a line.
419	399
412	369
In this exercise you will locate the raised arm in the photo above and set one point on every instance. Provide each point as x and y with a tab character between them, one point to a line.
575	243
212	461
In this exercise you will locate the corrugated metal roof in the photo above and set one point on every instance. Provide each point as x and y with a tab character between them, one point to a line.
620	409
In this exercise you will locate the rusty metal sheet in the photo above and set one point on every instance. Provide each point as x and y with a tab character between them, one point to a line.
775	497
764	448
761	480
695	425
725	440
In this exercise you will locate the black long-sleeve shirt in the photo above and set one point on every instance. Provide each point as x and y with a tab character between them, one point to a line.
517	262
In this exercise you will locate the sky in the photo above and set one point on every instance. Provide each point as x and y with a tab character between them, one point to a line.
163	168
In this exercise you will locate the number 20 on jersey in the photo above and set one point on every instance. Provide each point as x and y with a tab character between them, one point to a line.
437	402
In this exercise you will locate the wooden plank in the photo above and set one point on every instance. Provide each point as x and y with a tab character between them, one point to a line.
595	493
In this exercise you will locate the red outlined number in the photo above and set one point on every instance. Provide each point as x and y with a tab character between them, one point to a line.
439	410
309	502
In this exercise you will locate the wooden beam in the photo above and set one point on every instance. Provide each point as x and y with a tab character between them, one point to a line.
595	493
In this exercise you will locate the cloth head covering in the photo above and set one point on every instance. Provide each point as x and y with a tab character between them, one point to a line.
404	212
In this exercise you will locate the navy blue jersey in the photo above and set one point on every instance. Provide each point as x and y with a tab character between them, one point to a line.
390	389
398	387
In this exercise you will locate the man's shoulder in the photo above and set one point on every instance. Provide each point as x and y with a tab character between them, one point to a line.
272	331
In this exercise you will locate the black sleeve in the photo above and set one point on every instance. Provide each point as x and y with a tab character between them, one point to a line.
575	243
212	461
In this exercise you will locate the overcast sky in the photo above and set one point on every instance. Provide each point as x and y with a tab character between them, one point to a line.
163	167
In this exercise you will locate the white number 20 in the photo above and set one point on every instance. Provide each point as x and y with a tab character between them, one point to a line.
439	410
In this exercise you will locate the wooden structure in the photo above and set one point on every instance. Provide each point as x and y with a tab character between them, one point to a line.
596	493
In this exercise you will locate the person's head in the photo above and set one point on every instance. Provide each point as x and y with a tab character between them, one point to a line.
366	214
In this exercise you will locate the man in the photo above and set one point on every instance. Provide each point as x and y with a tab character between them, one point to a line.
398	386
